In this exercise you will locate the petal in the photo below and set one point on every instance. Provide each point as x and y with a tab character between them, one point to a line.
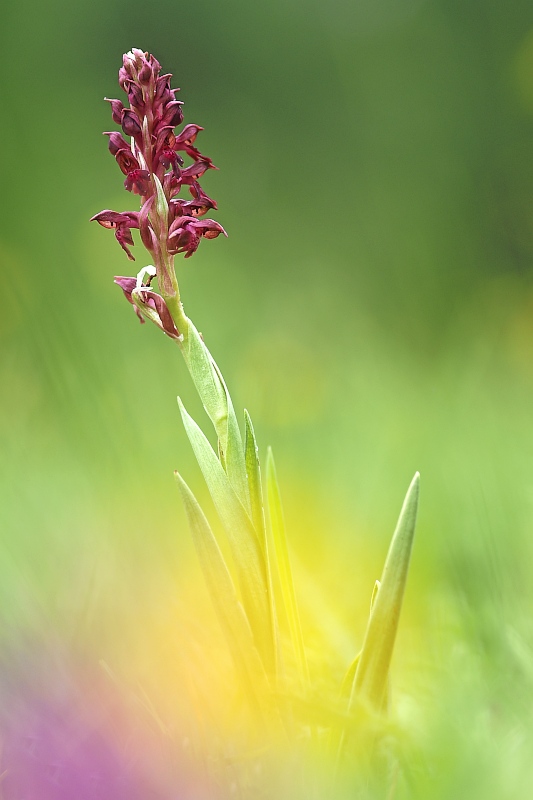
188	135
126	284
117	142
124	238
111	219
194	172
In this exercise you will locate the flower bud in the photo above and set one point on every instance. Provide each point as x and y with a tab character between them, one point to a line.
145	73
130	123
132	62
162	86
173	115
117	109
135	97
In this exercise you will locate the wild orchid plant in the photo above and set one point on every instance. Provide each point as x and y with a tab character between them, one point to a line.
258	590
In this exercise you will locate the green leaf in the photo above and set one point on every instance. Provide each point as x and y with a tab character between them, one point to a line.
245	547
253	472
371	677
277	524
219	408
206	380
230	612
347	681
234	456
161	203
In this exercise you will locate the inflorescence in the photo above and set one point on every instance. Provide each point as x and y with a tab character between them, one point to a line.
156	171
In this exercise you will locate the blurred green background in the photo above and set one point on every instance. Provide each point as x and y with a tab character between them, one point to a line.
372	308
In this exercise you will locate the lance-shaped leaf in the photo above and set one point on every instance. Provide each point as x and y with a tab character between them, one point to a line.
253	473
245	547
288	594
230	612
349	678
371	676
219	408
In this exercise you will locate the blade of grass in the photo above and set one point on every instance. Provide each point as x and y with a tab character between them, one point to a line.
230	612
245	547
370	686
253	472
337	735
277	524
348	680
370	682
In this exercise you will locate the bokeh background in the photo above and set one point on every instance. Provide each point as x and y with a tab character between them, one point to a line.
372	308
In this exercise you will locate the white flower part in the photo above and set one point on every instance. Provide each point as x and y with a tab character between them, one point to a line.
149	270
138	155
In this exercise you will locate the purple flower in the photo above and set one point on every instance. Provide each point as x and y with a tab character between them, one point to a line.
201	204
138	181
117	109
152	303
185	234
153	107
185	142
119	148
122	224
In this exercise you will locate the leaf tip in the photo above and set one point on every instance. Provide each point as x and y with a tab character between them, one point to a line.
183	411
414	488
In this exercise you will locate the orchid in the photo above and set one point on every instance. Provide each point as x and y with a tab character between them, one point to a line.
257	592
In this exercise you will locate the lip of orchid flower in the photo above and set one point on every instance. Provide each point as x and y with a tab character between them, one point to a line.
138	181
185	142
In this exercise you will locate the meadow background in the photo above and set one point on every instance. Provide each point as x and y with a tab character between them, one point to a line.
372	308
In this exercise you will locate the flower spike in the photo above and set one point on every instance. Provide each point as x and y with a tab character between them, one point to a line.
148	152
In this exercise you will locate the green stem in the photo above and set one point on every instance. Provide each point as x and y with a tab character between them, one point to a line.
172	298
